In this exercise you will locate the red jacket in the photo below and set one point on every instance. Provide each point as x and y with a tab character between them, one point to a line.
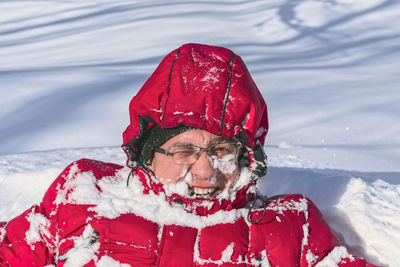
96	213
90	216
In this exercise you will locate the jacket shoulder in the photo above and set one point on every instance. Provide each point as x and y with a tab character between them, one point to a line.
96	168
280	205
286	198
85	172
99	168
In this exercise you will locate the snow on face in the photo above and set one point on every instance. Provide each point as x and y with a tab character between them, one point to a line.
213	179
187	176
205	176
180	188
227	164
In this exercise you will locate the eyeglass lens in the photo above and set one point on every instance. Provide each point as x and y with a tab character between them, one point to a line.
189	154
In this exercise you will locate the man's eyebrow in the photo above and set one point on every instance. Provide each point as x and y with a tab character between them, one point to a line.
180	143
222	139
217	140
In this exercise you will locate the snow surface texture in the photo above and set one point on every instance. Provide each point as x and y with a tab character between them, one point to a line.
329	71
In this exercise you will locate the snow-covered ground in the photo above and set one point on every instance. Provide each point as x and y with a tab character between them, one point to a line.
329	71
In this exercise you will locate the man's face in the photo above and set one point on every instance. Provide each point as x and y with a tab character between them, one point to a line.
205	177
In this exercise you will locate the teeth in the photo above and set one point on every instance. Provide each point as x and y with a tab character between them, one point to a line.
203	192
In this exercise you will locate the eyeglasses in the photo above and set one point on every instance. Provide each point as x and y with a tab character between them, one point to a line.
189	154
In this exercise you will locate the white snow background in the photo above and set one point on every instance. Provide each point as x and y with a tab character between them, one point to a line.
328	69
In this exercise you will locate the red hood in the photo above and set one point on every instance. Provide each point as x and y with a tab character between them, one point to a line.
206	87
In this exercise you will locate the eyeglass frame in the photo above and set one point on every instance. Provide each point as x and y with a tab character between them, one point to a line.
207	149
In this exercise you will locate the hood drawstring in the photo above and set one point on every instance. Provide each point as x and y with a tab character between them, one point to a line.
257	195
146	171
129	177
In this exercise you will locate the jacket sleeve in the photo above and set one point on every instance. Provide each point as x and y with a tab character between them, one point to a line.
26	240
320	247
31	238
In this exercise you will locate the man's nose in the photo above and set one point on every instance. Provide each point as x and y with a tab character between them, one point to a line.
203	168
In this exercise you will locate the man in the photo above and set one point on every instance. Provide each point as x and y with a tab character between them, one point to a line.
189	197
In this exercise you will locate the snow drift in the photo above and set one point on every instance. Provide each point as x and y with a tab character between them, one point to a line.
327	69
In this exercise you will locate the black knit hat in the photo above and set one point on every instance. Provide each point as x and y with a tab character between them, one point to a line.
155	137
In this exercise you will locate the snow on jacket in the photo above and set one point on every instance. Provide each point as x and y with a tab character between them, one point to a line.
103	214
90	217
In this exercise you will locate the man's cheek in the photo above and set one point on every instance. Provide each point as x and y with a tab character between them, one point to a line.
172	173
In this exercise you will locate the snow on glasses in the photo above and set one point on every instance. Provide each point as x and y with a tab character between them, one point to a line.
189	154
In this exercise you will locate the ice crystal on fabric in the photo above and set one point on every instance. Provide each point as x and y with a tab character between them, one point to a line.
107	261
38	227
263	262
183	113
304	242
260	132
311	258
300	206
335	257
62	192
245	120
84	249
2	233
227	253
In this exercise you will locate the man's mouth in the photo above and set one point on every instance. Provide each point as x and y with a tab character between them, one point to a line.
203	192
